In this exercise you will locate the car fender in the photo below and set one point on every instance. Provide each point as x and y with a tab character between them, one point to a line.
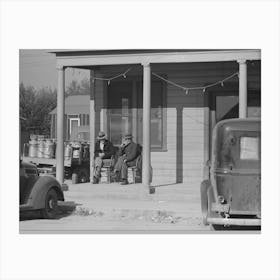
41	187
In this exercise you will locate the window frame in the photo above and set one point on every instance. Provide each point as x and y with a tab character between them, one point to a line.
242	151
70	126
134	80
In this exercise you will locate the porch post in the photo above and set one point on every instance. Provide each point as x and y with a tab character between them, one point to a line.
92	120
60	126
242	89
146	125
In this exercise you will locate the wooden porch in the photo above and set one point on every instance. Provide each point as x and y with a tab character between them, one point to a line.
91	60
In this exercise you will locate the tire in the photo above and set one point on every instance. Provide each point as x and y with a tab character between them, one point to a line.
75	178
83	175
210	198
204	200
50	210
80	175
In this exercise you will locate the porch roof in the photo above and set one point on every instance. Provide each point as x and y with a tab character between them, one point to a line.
87	58
66	52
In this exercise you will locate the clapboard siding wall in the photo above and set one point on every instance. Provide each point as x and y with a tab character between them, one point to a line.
188	119
187	129
184	159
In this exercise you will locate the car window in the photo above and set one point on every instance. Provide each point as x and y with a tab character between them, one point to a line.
249	148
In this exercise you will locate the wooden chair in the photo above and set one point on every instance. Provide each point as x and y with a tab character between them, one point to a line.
108	165
107	168
136	169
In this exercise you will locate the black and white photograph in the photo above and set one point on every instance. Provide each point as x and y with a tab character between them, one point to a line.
139	139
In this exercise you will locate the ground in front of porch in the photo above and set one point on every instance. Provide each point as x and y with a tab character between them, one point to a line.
113	208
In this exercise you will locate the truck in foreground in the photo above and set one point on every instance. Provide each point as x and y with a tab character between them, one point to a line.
232	195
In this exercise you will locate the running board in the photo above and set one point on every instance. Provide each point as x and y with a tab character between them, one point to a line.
233	221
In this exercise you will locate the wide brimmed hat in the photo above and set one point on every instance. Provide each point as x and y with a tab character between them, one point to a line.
128	136
101	135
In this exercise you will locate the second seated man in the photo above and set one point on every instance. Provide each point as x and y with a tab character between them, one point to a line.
128	154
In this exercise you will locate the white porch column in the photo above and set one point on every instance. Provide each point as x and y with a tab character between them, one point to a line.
60	126
242	89
146	125
92	120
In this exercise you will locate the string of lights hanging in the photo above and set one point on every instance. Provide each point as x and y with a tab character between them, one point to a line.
111	78
203	88
186	89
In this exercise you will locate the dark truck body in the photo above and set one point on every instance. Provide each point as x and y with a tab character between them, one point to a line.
75	167
232	196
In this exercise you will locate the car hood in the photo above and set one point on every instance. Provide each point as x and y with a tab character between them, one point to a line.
25	164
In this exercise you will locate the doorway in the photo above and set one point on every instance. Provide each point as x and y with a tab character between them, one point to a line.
226	107
74	123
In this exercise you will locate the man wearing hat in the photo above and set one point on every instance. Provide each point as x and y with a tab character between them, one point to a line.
128	154
103	150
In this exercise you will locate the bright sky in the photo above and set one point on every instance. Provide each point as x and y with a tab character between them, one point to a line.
37	68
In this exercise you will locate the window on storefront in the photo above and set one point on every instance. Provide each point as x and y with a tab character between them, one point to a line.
119	111
158	116
84	119
125	112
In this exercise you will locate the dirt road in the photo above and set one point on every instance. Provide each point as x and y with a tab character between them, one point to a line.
114	208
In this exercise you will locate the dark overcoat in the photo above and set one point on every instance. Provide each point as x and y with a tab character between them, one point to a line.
108	149
130	151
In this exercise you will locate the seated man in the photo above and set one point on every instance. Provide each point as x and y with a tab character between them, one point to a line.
128	154
103	150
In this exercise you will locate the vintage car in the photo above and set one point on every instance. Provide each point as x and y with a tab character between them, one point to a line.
232	196
39	192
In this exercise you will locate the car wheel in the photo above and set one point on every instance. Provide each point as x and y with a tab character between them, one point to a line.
204	200
51	207
75	178
83	176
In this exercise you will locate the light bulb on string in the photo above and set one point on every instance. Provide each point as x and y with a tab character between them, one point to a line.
221	82
124	75
108	82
